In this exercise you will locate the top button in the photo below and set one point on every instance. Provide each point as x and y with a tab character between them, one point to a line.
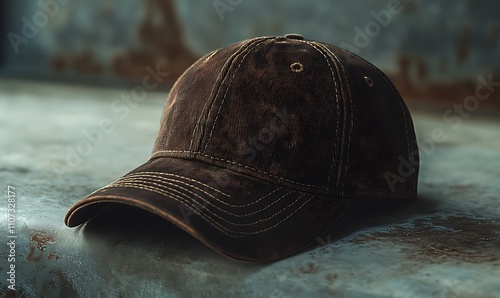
294	36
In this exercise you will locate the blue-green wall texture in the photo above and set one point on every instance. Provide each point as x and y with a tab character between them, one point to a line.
427	43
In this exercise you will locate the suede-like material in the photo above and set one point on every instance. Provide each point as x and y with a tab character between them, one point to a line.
188	99
263	87
262	144
322	129
237	215
383	138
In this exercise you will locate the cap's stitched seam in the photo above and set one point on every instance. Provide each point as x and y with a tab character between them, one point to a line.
238	164
213	222
254	43
176	82
228	61
190	185
182	200
290	215
190	200
174	175
346	165
177	176
138	181
162	187
338	114
405	120
341	163
203	110
400	100
146	180
225	94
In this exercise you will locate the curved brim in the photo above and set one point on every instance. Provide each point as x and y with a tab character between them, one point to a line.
242	217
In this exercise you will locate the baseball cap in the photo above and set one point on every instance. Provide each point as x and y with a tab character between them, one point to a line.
263	144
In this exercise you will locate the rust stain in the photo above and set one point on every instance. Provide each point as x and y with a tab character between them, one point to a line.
462	47
32	257
404	64
39	241
438	239
163	46
413	82
462	51
59	64
53	256
422	70
132	64
402	78
412	77
87	63
410	8
442	65
61	282
309	267
42	239
492	34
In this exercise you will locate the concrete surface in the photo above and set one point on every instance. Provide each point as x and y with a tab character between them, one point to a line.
445	244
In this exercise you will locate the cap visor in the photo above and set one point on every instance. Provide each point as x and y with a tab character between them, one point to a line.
242	217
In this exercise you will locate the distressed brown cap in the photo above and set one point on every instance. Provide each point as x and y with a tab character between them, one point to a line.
263	144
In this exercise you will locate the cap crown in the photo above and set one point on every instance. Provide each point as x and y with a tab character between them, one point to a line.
297	113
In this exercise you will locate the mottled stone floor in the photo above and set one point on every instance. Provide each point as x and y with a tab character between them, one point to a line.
445	244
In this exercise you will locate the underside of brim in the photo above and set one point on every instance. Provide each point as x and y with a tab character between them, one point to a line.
242	217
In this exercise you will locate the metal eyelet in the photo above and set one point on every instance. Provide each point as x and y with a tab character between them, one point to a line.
368	81
296	67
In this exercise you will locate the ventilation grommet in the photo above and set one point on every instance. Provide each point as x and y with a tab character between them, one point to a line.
297	67
368	81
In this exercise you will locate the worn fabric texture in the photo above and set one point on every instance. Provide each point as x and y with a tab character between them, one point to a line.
262	145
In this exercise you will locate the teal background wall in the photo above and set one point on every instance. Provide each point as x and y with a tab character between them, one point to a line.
431	49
